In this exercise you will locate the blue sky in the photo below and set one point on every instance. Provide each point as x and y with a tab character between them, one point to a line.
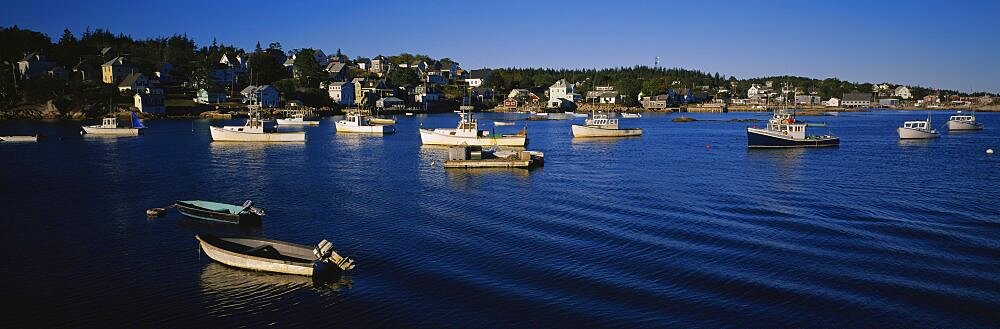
953	44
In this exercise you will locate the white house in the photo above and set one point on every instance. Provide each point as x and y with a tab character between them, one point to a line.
423	94
902	92
150	103
389	102
379	64
211	95
833	102
757	91
341	92
265	96
477	77
562	94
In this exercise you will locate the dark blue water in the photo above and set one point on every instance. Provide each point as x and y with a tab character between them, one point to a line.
683	227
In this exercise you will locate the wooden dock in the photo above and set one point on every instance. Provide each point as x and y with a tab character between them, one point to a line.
488	163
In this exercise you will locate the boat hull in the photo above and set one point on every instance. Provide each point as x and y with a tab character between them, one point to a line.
382	121
19	138
189	209
294	122
97	130
345	127
223	135
964	125
582	131
761	138
908	133
282	257
432	137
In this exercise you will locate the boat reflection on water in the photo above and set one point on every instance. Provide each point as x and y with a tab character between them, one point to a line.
355	141
225	286
915	142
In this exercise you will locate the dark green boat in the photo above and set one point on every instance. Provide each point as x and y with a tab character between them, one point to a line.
220	212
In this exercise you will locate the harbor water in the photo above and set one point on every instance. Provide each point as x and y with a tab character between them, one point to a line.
681	227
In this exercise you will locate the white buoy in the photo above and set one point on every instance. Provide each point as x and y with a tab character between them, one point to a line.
989	151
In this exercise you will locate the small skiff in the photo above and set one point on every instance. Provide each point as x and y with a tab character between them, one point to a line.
220	212
260	254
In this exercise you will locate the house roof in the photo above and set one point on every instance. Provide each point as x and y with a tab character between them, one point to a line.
106	50
857	97
560	84
480	73
391	99
335	67
130	79
338	83
357	80
31	57
120	60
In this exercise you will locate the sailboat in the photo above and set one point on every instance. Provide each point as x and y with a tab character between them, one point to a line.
109	126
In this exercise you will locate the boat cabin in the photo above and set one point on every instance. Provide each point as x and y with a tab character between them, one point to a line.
110	122
922	125
788	126
962	118
602	120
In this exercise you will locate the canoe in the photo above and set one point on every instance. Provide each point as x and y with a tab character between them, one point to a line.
220	212
266	255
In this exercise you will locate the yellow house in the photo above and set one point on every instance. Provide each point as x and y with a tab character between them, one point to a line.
116	69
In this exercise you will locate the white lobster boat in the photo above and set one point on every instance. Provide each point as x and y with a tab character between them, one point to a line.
109	127
917	130
355	122
964	122
253	131
19	138
600	125
297	119
266	255
468	133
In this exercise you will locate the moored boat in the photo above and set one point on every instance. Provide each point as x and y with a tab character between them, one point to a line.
266	255
600	125
784	131
19	138
631	115
468	133
355	122
298	119
220	212
964	122
381	121
917	130
253	131
109	126
503	123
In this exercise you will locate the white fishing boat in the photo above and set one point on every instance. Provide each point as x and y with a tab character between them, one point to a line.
109	127
576	115
355	122
468	133
503	123
381	121
961	121
631	115
917	130
298	119
16	138
600	125
254	131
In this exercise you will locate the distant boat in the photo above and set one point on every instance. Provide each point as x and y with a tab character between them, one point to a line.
266	255
253	131
576	115
917	130
298	119
832	114
409	113
32	138
600	125
784	131
220	212
503	123
631	115
381	121
109	126
355	122
964	122
468	133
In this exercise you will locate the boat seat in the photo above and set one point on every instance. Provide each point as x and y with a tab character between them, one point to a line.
264	250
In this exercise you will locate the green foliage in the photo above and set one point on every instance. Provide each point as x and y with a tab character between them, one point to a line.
404	77
264	69
308	73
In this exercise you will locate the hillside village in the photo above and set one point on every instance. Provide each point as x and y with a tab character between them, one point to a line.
100	72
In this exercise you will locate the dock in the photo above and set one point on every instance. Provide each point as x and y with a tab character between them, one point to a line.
468	157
